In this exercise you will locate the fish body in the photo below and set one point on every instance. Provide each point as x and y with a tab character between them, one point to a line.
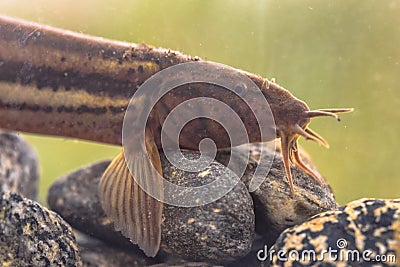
61	83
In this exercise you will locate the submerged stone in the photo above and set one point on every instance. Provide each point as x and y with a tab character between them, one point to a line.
31	235
96	253
276	207
220	231
361	233
18	166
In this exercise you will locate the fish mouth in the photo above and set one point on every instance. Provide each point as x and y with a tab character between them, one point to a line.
289	142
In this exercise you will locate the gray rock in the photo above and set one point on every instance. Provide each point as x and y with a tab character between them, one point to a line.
75	198
275	206
18	166
219	231
31	235
95	253
222	230
186	264
251	260
362	233
99	254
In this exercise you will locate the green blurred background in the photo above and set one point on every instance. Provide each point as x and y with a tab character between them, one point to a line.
328	53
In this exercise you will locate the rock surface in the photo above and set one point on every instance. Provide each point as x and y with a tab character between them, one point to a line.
31	235
18	166
99	254
275	206
95	253
186	264
219	231
362	233
75	198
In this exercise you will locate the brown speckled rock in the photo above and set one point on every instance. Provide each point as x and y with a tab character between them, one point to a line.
186	264
95	253
369	227
31	235
75	198
276	207
18	166
220	231
250	260
99	254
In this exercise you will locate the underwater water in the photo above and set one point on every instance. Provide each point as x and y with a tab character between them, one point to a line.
330	54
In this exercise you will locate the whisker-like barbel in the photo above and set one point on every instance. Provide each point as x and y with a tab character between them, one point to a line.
318	137
310	135
321	113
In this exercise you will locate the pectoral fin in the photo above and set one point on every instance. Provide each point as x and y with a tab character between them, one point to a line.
135	213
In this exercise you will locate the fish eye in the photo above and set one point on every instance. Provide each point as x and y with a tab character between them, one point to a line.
240	89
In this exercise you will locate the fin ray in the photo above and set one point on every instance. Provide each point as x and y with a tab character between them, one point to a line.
135	213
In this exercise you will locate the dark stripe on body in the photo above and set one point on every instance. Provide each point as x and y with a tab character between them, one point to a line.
25	73
67	109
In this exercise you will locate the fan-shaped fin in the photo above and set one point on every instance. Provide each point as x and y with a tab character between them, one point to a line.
135	213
